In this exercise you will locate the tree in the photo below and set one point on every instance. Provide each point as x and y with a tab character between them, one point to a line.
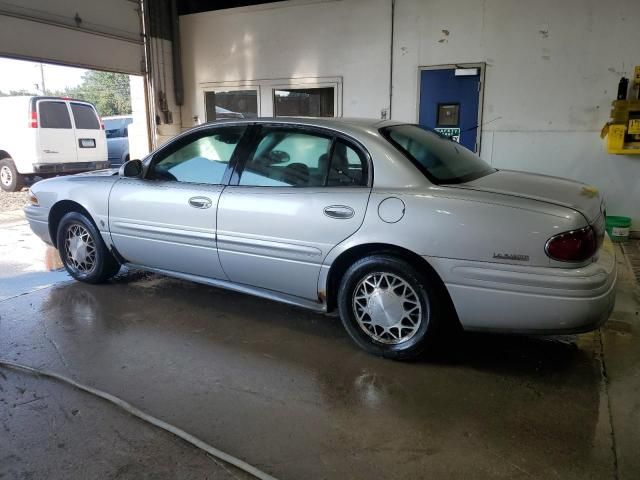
109	92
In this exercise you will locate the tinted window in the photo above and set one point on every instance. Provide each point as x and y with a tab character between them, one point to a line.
440	159
85	117
54	115
113	127
203	160
288	158
231	104
347	168
307	102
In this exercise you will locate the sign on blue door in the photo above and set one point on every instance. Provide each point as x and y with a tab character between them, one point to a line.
449	104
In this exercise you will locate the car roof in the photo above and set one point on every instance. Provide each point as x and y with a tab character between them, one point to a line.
117	117
343	124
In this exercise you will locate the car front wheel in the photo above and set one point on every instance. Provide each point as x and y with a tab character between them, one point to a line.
388	307
82	250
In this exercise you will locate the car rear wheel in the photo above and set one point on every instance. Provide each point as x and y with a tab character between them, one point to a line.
10	179
82	250
388	307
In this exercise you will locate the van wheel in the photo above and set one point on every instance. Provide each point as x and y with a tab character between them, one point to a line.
389	308
82	250
10	179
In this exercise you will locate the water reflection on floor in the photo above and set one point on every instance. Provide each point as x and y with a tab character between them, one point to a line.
27	262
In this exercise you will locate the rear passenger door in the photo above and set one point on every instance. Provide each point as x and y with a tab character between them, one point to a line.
90	140
299	192
56	139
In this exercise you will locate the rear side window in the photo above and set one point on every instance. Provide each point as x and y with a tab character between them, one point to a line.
348	168
54	115
85	117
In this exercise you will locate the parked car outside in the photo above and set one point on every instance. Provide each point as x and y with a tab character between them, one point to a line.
48	136
400	229
118	138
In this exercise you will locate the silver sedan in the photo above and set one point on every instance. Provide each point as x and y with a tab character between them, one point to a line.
399	229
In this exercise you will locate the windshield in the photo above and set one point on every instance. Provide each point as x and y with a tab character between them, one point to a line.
442	160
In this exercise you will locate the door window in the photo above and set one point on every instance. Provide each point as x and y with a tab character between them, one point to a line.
288	158
348	167
200	160
54	115
85	117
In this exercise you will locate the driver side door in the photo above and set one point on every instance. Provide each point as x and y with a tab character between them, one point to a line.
167	219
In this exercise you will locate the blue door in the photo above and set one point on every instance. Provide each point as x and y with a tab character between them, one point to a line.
449	103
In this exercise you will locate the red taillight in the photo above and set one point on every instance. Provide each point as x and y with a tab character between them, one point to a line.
33	121
573	246
102	125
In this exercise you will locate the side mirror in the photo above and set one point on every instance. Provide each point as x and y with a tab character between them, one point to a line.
132	168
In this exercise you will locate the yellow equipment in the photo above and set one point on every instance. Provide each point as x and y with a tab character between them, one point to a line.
623	130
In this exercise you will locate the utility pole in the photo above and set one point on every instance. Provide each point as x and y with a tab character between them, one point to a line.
44	91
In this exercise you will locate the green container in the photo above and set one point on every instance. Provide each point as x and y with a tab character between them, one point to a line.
618	228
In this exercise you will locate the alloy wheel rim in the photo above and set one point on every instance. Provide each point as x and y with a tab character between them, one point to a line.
80	249
387	308
5	175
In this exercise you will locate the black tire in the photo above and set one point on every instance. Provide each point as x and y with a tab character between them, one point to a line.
419	336
10	179
99	264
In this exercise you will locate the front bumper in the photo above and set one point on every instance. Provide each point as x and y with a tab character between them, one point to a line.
71	167
538	300
38	218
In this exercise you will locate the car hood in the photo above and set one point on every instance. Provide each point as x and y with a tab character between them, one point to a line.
559	191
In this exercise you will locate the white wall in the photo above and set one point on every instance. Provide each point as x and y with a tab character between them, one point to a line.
552	69
552	73
294	39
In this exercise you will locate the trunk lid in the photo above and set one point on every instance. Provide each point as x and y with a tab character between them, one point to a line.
544	188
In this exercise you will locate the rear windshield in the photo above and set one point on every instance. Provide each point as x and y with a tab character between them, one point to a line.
54	115
442	160
85	117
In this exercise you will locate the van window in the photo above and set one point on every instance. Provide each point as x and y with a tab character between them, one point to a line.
54	115
85	117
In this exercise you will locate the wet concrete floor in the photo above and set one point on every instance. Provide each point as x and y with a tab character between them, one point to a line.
285	389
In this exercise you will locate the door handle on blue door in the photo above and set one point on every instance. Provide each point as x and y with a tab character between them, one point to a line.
339	211
200	202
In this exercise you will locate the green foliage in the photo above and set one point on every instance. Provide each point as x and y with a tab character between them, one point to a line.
109	92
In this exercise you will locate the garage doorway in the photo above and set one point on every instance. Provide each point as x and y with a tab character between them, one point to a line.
450	101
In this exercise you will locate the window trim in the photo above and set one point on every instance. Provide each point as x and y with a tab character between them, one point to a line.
251	144
190	137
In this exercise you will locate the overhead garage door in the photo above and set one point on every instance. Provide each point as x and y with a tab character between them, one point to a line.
97	34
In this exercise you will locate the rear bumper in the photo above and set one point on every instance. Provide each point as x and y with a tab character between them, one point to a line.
536	300
71	167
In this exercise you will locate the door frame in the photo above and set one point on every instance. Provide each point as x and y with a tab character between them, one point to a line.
482	66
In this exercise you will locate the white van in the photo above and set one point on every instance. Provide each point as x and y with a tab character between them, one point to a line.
48	136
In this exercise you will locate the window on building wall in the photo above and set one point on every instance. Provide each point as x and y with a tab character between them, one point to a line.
231	104
304	102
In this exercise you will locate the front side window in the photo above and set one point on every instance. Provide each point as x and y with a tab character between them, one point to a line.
202	160
288	158
439	158
85	117
304	102
54	115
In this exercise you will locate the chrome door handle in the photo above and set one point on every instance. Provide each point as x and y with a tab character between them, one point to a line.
339	211
200	202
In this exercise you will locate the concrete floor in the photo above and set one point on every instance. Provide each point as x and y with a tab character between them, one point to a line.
286	390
